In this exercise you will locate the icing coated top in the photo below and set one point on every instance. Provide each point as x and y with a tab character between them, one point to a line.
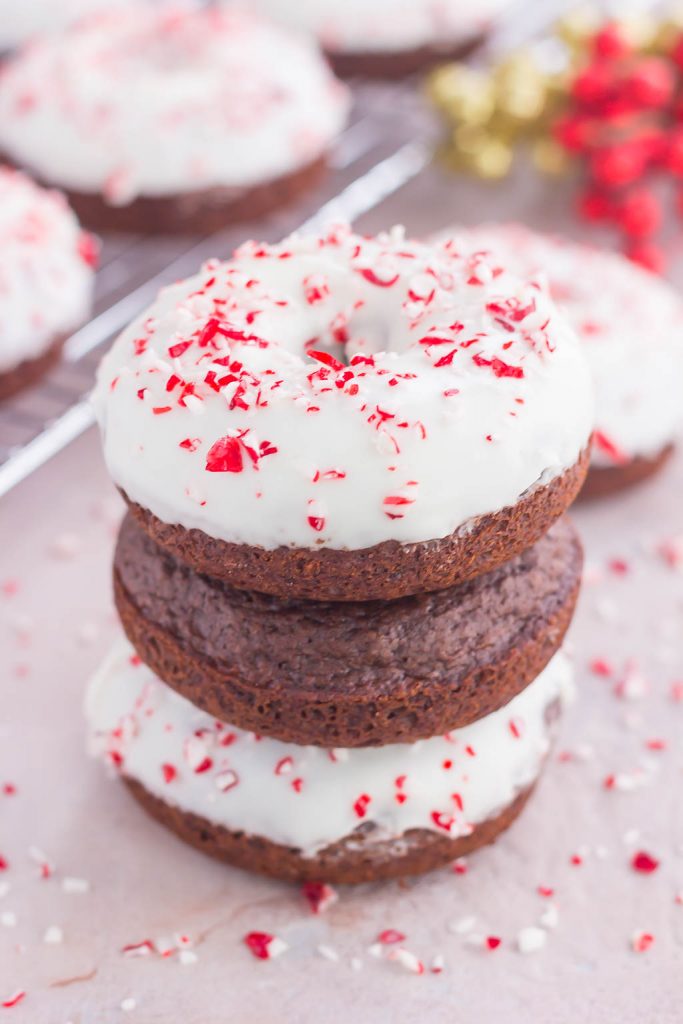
306	796
631	324
46	269
158	102
361	27
228	407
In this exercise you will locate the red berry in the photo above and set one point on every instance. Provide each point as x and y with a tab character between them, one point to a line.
611	41
595	205
640	213
572	132
593	84
619	164
651	82
672	157
646	255
676	52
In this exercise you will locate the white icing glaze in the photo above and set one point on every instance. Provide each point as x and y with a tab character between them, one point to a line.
158	102
631	324
306	796
360	26
21	19
46	273
447	410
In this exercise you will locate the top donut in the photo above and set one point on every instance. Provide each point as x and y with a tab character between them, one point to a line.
337	416
168	103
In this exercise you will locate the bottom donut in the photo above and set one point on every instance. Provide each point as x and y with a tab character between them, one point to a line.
300	813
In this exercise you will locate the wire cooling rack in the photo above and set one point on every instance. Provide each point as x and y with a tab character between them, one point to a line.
386	144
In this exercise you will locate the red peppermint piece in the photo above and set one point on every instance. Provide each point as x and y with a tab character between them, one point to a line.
320	896
606	445
225	456
516	726
13	1000
493	941
263	945
326	359
361	805
88	249
499	368
369	275
190	444
644	862
390	936
169	771
284	765
443	821
641	941
177	350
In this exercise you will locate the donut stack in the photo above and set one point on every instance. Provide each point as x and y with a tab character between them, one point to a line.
343	571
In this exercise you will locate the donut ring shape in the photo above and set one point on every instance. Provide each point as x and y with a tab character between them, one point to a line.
337	393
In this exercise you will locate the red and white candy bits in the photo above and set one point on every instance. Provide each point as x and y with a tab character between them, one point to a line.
343	391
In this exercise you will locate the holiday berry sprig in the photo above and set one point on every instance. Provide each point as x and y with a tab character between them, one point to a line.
613	112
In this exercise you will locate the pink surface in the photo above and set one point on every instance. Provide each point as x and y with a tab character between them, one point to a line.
56	623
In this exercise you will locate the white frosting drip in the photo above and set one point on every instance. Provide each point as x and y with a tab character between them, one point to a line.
306	796
631	324
465	388
46	274
159	102
392	25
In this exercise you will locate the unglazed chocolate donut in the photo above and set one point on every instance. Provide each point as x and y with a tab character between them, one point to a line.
348	674
298	812
631	324
344	418
46	278
171	118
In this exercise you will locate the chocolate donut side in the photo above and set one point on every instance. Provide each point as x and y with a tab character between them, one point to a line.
356	858
348	674
30	371
604	481
194	213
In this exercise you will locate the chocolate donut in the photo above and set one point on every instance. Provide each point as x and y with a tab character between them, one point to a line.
348	674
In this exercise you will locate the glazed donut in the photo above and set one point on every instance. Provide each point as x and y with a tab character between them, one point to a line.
388	37
300	812
46	278
631	326
347	418
177	118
